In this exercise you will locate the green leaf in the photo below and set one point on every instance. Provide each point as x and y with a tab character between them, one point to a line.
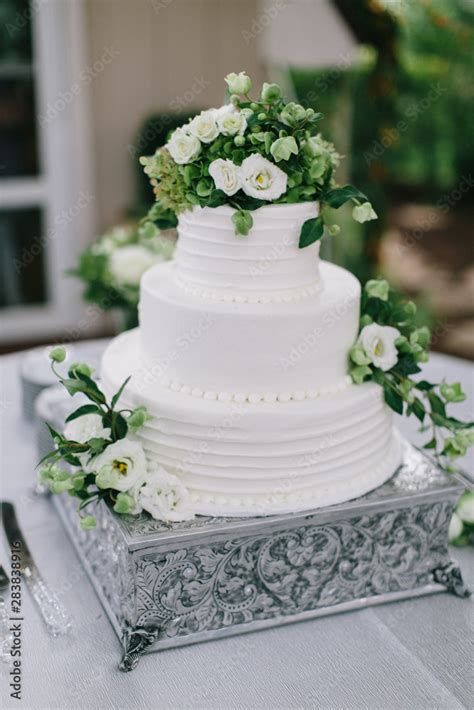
118	394
437	404
119	426
97	444
431	444
393	399
360	373
204	187
424	386
242	221
418	409
311	231
216	198
340	195
85	409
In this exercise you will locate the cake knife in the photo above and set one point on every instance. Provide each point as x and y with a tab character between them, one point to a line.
54	615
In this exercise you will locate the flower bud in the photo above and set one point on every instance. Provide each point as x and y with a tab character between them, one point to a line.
238	83
58	354
239	141
270	93
88	522
81	367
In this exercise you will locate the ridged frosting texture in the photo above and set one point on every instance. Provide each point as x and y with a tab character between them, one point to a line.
249	349
210	255
241	459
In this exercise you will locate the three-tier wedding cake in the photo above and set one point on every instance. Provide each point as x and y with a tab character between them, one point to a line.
241	358
242	354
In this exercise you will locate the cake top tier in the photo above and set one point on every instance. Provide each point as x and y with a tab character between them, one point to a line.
209	256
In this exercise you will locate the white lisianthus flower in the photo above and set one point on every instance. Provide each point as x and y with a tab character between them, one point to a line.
183	147
204	127
128	264
89	426
120	466
165	497
378	343
262	179
226	176
364	213
231	123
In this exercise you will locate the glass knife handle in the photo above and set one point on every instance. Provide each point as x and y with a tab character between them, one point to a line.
58	622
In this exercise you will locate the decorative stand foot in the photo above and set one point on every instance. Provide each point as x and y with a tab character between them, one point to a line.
136	642
450	577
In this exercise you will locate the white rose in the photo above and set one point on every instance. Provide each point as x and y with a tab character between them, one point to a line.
89	426
183	147
378	342
262	179
120	466
226	176
231	123
128	264
204	127
165	497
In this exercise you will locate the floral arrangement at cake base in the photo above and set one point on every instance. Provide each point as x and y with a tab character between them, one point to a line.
103	460
112	267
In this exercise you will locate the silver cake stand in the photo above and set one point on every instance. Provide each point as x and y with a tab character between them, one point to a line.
169	584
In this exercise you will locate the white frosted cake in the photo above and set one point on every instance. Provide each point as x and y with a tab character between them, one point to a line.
241	358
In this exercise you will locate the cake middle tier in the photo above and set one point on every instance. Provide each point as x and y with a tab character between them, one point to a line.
245	351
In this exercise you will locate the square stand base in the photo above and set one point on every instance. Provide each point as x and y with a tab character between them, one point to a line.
169	584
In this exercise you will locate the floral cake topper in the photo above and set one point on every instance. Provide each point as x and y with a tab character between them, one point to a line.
247	154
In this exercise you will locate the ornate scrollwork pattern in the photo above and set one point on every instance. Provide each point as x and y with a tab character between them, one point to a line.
202	588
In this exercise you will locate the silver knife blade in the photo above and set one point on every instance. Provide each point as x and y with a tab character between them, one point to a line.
54	615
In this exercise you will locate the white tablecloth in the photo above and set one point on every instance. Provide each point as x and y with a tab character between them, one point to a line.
414	654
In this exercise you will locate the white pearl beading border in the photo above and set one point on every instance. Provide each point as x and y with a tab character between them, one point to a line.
285	296
257	398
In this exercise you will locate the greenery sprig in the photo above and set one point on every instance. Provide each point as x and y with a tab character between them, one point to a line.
106	428
247	154
389	351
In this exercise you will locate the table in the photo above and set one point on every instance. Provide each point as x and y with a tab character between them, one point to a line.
414	654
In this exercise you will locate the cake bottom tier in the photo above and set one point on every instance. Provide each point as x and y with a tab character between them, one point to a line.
260	459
